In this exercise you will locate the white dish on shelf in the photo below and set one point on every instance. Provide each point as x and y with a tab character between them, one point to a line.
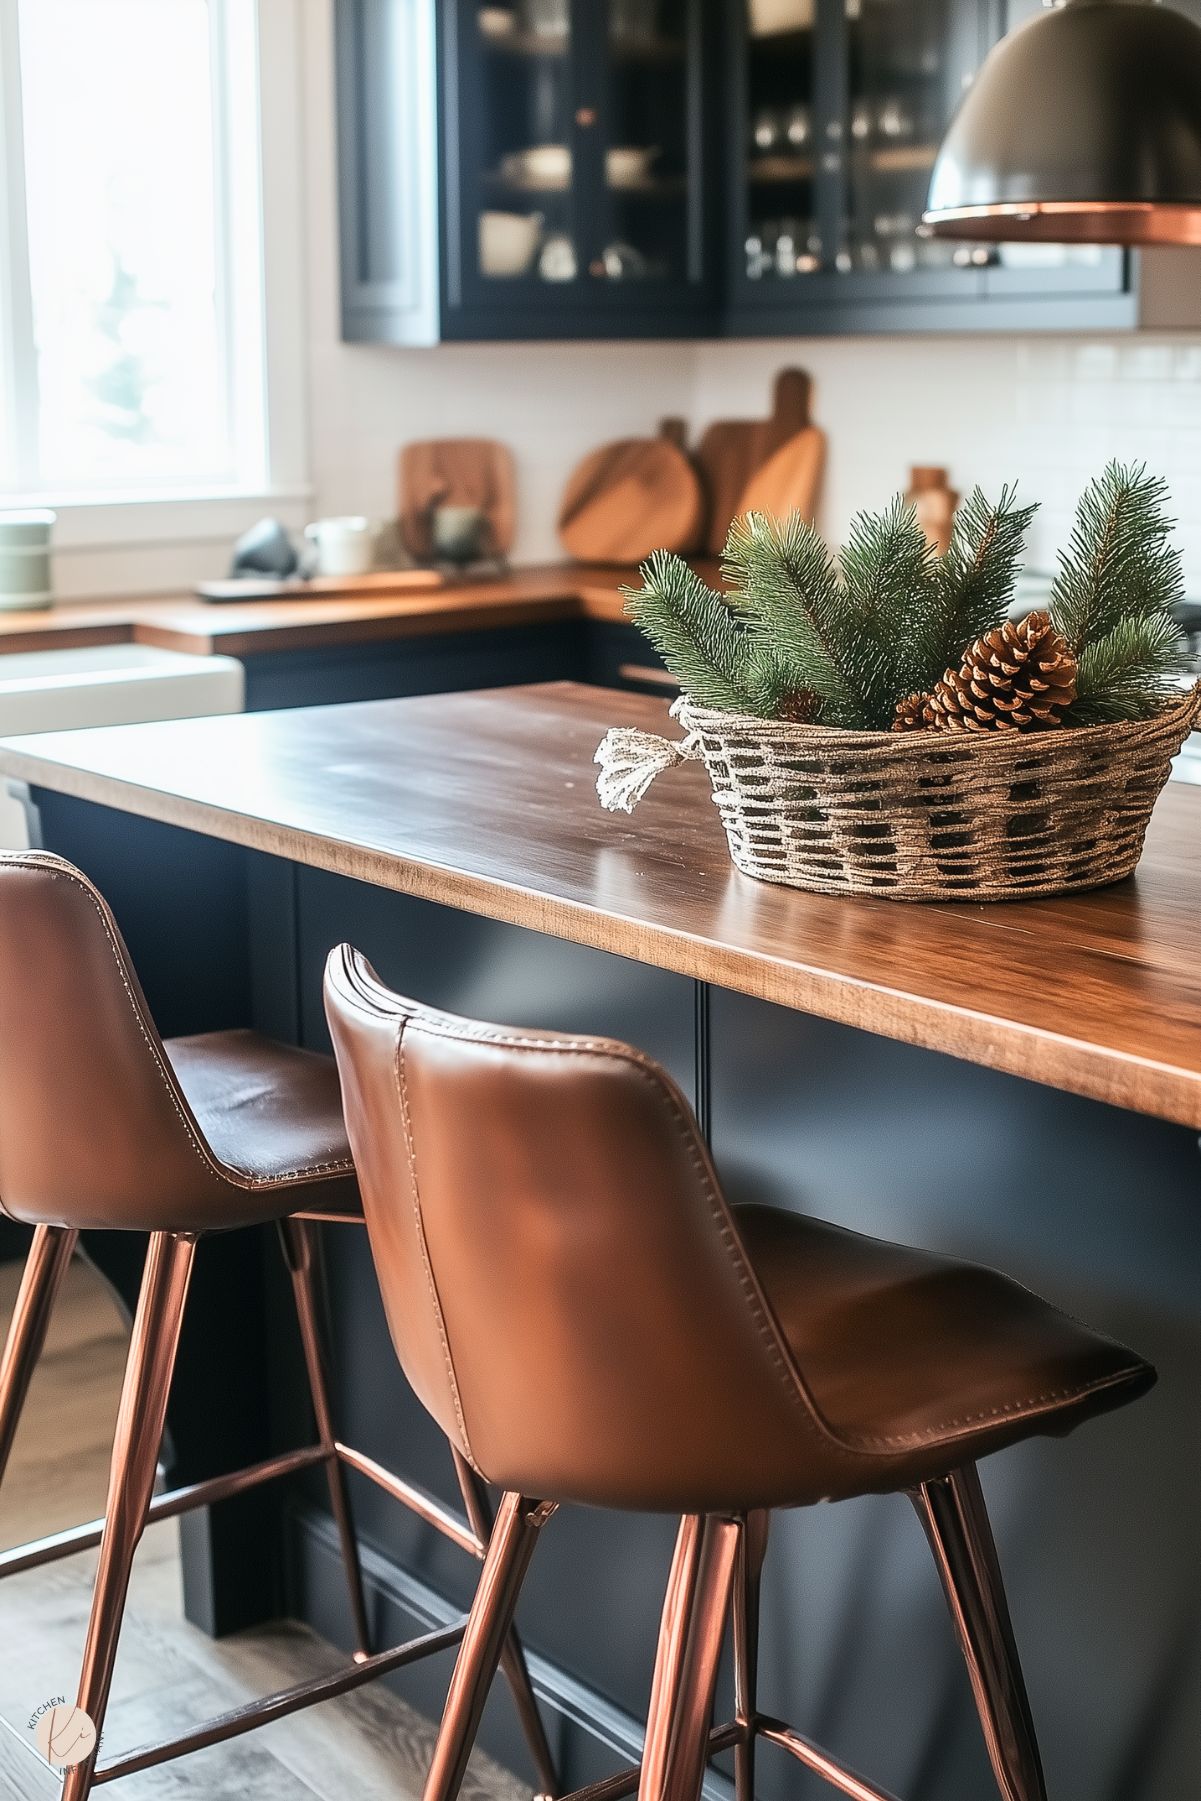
769	18
629	165
508	242
497	22
542	166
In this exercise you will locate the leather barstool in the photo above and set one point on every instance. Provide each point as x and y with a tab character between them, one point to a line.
103	1126
588	1320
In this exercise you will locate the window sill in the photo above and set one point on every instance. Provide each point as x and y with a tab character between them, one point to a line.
110	522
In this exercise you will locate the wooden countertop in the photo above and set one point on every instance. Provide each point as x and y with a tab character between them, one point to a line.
255	628
487	802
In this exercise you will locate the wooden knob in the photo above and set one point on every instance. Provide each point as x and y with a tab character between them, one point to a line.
597	268
585	116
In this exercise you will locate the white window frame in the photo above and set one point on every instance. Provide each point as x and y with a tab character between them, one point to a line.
256	46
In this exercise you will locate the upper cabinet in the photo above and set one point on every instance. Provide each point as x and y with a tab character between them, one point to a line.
658	168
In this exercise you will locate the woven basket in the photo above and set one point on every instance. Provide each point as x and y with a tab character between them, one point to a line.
918	815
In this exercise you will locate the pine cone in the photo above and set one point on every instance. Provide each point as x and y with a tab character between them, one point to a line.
1020	677
913	714
800	708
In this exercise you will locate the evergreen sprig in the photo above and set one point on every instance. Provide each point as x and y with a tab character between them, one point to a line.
1118	582
784	584
800	635
696	634
972	585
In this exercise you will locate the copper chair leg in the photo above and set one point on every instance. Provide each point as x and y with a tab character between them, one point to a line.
512	1659
45	1267
953	1513
509	1551
140	1421
752	1548
298	1243
690	1641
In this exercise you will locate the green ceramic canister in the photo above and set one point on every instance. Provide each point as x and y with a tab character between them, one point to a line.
25	559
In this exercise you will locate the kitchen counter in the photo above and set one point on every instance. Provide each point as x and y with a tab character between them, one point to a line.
1018	1084
253	628
1099	993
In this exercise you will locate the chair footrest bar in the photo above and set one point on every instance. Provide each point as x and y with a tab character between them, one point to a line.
776	1732
424	1505
624	1782
286	1701
163	1507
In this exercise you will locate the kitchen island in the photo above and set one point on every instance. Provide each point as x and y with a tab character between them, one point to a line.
1020	1084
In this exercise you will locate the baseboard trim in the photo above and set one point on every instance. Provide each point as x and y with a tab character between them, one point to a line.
590	1736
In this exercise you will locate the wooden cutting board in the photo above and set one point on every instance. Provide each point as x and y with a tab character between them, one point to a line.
632	497
789	480
457	472
732	451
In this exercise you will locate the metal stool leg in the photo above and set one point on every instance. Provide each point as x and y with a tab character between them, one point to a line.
953	1513
509	1551
690	1640
298	1242
45	1267
139	1433
512	1658
752	1548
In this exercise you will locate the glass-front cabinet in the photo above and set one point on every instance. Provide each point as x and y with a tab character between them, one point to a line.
574	156
683	168
838	109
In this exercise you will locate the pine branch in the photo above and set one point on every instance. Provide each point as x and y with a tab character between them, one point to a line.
1119	564
972	586
888	565
693	629
785	585
1128	673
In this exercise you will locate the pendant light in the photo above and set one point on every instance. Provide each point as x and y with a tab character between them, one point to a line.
1083	126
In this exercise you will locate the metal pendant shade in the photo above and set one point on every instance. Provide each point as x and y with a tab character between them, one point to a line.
1083	126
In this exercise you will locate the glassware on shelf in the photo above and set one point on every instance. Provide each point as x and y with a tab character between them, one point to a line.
798	127
766	130
557	261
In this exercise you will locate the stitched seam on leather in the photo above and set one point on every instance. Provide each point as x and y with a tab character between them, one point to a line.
643	1066
1013	1409
402	1090
223	1172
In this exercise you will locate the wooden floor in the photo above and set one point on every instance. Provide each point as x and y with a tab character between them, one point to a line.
369	1746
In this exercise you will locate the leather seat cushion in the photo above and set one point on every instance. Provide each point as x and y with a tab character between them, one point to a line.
922	1358
272	1118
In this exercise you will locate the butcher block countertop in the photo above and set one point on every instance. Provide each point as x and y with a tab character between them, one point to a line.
486	802
250	628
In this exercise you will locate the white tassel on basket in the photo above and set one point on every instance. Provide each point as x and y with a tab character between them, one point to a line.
630	760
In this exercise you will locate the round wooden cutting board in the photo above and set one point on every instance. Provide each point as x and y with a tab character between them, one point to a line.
630	498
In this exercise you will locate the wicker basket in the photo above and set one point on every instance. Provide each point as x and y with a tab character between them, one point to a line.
918	815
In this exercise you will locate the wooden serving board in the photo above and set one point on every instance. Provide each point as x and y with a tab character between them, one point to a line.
732	451
378	585
457	472
632	497
789	480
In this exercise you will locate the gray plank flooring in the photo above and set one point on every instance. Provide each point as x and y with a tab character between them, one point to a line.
368	1745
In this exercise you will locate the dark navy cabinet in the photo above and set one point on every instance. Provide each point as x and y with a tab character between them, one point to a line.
697	168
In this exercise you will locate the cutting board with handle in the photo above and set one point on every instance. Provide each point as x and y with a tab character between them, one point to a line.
789	480
733	452
457	472
632	497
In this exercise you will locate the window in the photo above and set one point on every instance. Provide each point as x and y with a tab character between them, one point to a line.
131	355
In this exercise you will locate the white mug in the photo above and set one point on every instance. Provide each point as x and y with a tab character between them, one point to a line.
343	546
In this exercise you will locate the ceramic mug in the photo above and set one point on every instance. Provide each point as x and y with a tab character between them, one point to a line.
344	546
25	559
459	533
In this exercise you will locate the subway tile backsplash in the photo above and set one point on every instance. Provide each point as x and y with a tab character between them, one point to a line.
1048	412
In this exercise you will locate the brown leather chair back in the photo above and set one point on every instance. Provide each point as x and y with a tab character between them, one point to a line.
94	1130
564	1282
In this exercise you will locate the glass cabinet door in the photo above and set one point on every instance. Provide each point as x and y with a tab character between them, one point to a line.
574	150
778	207
907	64
511	163
644	224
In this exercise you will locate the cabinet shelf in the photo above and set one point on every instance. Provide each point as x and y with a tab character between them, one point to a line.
529	46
